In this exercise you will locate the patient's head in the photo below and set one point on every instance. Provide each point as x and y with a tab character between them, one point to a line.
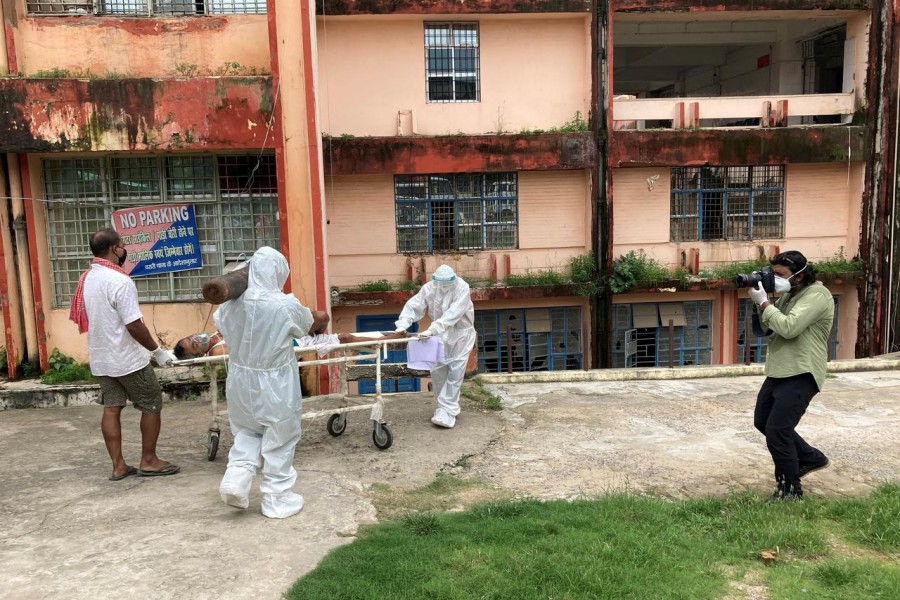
192	346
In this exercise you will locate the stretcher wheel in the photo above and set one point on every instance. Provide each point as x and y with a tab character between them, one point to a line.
337	424
212	445
382	437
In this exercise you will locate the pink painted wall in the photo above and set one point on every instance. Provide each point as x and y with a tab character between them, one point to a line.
535	74
822	213
144	47
554	225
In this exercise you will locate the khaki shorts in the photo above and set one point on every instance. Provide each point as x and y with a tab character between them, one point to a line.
141	387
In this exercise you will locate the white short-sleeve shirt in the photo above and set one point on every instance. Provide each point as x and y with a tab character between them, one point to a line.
111	301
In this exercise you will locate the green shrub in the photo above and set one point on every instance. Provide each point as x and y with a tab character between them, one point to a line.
64	369
634	268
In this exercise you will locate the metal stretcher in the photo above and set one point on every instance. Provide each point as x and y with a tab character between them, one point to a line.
374	350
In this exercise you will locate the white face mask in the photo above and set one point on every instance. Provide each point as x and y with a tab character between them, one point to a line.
783	285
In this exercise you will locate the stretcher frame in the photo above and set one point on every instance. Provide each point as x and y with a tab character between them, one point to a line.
376	350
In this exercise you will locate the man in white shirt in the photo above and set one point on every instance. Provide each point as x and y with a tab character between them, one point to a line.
120	346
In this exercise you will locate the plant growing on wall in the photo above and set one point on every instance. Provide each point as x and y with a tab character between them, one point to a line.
633	268
64	369
838	264
583	271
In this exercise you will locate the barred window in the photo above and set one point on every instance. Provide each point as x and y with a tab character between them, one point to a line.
529	339
641	334
235	199
145	8
727	203
452	62
440	213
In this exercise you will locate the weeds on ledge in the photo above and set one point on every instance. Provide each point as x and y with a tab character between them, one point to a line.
633	268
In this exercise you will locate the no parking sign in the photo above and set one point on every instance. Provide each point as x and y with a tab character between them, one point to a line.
159	239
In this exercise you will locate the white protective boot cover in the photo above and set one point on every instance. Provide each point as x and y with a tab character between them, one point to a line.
281	506
235	487
442	418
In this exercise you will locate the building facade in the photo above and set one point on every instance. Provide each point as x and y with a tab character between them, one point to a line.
516	142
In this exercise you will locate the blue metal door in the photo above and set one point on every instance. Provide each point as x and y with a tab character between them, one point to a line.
386	323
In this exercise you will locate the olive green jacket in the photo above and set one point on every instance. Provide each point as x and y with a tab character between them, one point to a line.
801	325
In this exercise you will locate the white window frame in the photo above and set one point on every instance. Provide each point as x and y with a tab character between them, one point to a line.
458	37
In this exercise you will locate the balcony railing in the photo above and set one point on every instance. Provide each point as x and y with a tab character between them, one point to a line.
730	111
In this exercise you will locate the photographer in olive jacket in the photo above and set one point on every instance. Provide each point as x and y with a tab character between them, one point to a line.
800	323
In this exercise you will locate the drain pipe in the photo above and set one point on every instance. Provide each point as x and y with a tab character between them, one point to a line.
23	258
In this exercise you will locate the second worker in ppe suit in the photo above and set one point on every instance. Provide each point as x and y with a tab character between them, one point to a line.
447	301
263	386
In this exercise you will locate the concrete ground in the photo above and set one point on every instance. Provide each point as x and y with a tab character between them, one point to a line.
68	532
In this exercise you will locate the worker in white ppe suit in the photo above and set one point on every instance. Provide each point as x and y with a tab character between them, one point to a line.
447	301
263	386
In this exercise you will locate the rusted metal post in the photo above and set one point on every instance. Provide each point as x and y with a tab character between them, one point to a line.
509	349
671	344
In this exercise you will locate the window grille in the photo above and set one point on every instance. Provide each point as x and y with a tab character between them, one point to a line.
440	213
529	339
727	203
59	7
452	62
235	200
692	341
145	8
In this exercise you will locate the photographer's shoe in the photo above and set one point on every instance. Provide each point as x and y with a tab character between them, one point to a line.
786	492
806	469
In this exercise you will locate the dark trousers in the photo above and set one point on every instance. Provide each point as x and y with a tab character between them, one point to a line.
779	405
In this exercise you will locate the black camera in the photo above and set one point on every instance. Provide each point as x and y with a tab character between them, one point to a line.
766	276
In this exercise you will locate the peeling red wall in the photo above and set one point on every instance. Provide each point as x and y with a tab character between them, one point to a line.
140	26
209	113
450	7
723	5
737	147
458	154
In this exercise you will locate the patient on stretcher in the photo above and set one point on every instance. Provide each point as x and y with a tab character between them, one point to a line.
212	344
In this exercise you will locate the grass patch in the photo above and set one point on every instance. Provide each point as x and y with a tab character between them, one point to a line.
474	390
619	546
542	278
839	264
64	369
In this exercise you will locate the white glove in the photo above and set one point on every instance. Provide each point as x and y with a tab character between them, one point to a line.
163	357
426	334
400	330
758	294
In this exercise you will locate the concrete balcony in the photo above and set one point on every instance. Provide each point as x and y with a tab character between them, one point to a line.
458	153
667	147
110	115
730	111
